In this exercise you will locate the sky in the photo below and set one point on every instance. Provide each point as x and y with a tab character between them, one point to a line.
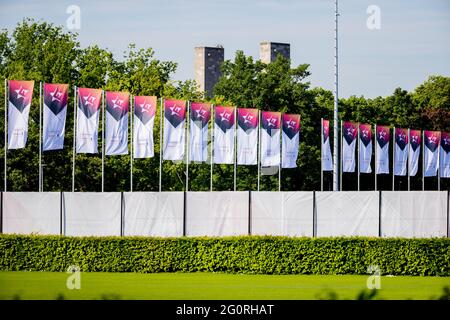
411	43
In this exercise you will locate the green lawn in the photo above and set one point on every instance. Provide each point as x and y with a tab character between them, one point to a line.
52	285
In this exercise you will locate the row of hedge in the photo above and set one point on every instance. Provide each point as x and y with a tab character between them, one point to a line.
249	254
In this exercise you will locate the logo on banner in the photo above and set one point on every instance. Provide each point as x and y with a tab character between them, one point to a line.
326	130
365	134
446	142
175	113
55	99
415	140
431	141
382	136
117	105
271	122
200	114
291	125
247	119
401	138
224	118
349	132
20	95
145	111
89	103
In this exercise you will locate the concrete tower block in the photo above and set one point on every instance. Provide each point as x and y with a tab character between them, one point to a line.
268	51
207	67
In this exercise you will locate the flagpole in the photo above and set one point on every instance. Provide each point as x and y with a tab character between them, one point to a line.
40	137
103	140
376	162
211	151
187	146
131	139
6	131
342	158
160	143
359	158
393	160
335	111
259	147
409	160
74	136
439	164
423	160
235	148
321	154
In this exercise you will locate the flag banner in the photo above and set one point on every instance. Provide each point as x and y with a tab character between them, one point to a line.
365	148
444	165
174	129
327	158
290	140
224	135
54	113
247	136
270	138
116	132
350	133
431	152
401	151
383	136
415	139
20	95
144	120
87	120
200	114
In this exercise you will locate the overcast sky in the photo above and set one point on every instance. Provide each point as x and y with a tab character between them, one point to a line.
412	43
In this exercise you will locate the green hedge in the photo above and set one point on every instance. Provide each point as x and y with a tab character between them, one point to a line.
249	254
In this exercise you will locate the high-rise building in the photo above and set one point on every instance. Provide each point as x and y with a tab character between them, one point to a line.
207	67
268	51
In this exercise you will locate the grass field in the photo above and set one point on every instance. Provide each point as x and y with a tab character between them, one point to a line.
167	286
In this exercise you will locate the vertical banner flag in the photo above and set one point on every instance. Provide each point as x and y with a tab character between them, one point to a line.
55	111
116	132
401	151
247	136
430	152
144	119
365	148
270	138
200	113
20	95
444	165
350	133
414	151
290	140
224	135
87	120
174	124
382	159
327	158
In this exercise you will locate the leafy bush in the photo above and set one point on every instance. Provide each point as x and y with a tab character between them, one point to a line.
248	254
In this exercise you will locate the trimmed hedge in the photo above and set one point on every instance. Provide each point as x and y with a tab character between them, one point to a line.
249	254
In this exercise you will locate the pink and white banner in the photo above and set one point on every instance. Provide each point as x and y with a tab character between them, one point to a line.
144	120
116	131
54	113
444	165
350	132
224	121
383	135
20	95
270	138
431	152
401	152
415	139
200	114
87	120
327	157
290	140
365	148
174	129
247	136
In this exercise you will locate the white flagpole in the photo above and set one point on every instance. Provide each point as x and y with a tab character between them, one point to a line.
259	147
423	160
160	143
342	158
376	162
6	132
321	154
211	151
131	139
74	135
439	164
393	160
187	145
103	140
281	154
235	148
40	137
359	158
409	168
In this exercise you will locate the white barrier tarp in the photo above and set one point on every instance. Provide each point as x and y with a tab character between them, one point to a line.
31	212
92	213
156	214
419	214
347	213
282	213
217	213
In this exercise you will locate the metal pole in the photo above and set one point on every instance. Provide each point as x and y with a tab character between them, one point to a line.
212	148
40	137
187	147
423	160
6	133
336	115
409	160
321	154
259	147
74	135
393	160
103	140
342	158
359	158
234	148
281	156
376	160
160	143
439	164
131	139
